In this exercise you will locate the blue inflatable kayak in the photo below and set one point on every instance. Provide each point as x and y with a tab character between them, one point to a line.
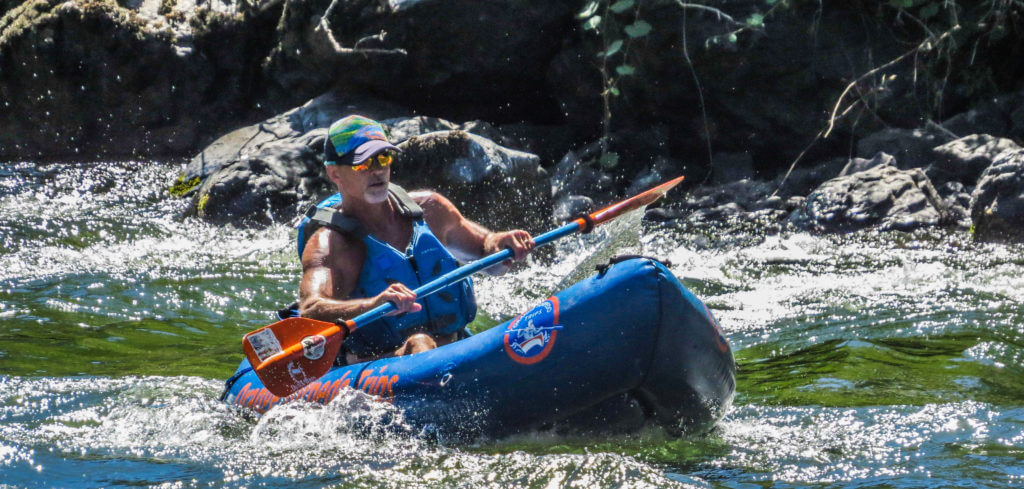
625	345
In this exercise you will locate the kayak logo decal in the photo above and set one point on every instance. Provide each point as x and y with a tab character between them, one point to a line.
313	346
530	337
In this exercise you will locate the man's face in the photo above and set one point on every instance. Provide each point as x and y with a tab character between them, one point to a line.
371	184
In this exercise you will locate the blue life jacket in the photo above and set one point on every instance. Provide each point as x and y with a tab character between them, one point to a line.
444	312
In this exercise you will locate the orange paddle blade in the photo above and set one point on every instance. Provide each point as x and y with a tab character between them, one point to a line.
292	353
635	202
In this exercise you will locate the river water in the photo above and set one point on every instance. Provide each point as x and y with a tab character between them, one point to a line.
864	360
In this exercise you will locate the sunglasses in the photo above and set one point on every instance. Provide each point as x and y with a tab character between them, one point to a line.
381	160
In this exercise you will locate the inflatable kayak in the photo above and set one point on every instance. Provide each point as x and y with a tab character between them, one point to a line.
629	343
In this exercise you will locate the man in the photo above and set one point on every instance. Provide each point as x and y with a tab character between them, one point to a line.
380	243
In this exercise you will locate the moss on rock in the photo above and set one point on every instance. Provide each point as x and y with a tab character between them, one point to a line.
432	151
182	187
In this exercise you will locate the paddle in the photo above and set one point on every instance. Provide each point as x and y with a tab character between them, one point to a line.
312	345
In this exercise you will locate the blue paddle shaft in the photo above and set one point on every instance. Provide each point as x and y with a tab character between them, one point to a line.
463	272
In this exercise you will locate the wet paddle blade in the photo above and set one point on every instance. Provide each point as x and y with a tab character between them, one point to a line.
635	202
310	347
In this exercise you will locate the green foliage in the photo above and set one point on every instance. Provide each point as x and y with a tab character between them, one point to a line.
638	29
621	6
618	24
589	10
613	48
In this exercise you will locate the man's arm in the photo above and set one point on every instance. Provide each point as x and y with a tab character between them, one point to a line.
331	264
466	239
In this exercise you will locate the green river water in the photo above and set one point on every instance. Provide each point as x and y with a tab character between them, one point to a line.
864	360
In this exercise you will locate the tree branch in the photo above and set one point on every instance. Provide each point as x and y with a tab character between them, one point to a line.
325	27
925	45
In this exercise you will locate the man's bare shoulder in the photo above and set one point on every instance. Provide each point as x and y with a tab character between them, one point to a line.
433	203
330	248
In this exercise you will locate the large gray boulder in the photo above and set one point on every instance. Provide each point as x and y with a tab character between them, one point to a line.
856	165
268	186
883	198
997	203
269	171
497	186
964	159
302	126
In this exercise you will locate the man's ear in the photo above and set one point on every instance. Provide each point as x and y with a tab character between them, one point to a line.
333	174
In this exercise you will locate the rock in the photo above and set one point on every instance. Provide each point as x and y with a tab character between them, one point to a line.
719	213
958	202
471	170
267	187
730	167
400	129
435	55
403	128
744	193
997	203
1017	119
993	116
463	159
545	140
491	184
562	171
107	80
912	148
882	198
572	206
305	125
803	180
659	172
966	158
856	165
573	177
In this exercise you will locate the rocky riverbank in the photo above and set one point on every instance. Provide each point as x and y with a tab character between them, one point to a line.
584	102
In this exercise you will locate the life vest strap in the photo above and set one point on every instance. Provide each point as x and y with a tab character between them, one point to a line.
406	206
326	216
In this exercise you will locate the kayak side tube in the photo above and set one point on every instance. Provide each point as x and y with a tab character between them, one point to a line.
692	379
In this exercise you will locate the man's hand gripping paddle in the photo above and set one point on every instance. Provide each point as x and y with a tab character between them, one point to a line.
292	353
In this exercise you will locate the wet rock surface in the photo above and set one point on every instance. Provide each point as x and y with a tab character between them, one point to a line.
997	209
285	153
268	186
883	198
95	79
911	148
302	126
964	159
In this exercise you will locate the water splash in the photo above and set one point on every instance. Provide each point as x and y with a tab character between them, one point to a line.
162	427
